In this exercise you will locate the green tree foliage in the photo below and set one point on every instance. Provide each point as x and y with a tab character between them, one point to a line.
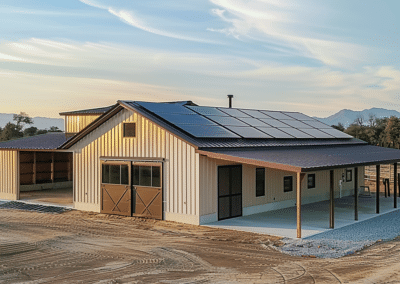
340	126
54	129
21	120
30	131
10	131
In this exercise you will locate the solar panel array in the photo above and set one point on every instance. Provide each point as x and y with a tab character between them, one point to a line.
216	122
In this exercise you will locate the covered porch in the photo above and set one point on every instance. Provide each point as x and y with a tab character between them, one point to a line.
316	217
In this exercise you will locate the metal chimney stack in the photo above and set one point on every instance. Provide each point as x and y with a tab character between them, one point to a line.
230	100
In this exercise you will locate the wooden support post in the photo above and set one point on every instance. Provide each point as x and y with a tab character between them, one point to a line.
70	157
52	167
332	202
395	184
378	179
34	168
299	180
356	193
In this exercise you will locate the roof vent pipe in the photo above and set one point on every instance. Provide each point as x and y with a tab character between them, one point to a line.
230	100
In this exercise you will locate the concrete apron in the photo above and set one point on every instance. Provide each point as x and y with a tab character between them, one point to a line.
314	219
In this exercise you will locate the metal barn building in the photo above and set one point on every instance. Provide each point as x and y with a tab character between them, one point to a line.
187	163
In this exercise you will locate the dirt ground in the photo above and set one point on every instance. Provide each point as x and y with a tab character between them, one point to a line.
81	247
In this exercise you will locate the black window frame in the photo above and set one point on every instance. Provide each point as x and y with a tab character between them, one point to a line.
260	188
125	130
349	172
284	183
312	185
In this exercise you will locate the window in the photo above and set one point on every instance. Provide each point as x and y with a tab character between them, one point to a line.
349	175
115	174
147	176
311	180
129	129
260	182
288	184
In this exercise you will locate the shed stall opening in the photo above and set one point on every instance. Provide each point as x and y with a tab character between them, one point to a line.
46	176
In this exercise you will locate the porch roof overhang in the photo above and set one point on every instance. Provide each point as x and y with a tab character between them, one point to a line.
307	159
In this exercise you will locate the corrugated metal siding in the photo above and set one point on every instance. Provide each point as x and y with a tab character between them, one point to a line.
9	175
181	183
75	123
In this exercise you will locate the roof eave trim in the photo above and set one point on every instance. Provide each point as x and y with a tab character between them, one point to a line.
92	126
264	164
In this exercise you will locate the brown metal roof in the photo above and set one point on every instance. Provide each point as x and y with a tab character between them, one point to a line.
305	159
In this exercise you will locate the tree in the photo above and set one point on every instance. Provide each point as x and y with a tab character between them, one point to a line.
392	132
30	131
340	126
22	119
359	120
41	131
371	120
54	129
10	131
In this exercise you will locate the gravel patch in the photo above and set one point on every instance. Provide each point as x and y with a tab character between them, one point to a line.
346	240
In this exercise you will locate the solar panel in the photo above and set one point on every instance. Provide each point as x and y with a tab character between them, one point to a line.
276	114
298	115
316	124
274	122
295	132
234	112
207	110
296	123
336	133
254	113
274	132
248	132
253	121
316	133
165	108
186	119
208	131
227	120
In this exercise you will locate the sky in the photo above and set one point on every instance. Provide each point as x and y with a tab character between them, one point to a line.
314	56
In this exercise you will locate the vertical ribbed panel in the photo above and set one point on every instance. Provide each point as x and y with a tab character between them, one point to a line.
9	174
75	123
181	183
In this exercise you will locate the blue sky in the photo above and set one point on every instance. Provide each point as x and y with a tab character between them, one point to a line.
316	57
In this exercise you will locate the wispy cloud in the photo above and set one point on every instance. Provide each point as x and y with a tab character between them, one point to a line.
286	23
133	20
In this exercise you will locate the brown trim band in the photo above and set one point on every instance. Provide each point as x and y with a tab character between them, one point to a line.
250	161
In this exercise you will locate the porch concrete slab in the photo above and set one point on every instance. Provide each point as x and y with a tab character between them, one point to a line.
315	217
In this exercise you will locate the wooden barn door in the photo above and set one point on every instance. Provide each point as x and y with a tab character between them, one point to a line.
229	192
116	191
147	190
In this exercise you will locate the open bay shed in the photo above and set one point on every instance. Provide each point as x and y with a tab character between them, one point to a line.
34	163
193	164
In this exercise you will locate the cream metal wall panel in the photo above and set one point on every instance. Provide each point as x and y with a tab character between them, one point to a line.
181	162
75	123
9	175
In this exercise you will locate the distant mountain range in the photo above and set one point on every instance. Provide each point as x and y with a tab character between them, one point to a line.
39	122
347	116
